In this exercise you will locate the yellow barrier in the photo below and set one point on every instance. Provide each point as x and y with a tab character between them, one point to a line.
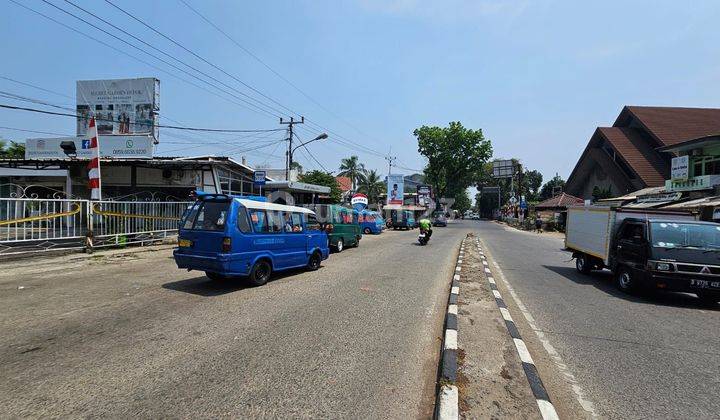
48	216
96	210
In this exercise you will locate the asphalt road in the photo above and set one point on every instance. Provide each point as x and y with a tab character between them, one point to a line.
652	357
132	336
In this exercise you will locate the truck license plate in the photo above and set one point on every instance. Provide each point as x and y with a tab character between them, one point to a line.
705	284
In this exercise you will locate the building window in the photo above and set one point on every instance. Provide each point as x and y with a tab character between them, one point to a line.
233	183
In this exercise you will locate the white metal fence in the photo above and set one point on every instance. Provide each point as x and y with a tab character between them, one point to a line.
35	225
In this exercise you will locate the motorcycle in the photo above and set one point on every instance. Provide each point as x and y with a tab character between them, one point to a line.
423	237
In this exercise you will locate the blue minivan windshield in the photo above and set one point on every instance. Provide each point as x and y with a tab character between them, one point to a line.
207	215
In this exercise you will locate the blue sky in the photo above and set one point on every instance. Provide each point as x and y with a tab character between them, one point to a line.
536	76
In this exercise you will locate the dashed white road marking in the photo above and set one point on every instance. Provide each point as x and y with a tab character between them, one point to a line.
586	404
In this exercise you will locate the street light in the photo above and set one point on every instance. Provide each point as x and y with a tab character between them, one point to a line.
322	136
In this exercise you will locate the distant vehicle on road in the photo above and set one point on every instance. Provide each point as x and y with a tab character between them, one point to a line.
401	219
655	249
227	237
342	223
439	219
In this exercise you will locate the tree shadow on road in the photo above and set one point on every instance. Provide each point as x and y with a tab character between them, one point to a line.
605	282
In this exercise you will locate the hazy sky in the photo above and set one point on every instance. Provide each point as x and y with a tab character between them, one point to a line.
536	76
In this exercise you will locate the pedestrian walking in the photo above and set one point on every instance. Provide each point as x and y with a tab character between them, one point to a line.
538	223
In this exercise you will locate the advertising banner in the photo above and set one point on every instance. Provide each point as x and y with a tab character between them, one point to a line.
359	201
679	168
120	106
424	195
395	186
117	147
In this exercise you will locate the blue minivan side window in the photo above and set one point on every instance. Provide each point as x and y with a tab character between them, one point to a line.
242	220
258	221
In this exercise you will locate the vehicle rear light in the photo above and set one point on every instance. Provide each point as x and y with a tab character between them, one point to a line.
226	244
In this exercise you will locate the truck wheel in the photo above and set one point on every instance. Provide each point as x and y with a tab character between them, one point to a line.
625	281
709	298
583	264
260	273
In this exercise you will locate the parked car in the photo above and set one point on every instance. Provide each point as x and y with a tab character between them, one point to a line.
656	249
342	223
227	237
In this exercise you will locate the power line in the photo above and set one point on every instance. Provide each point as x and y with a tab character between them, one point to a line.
196	55
276	73
311	155
143	61
173	127
156	49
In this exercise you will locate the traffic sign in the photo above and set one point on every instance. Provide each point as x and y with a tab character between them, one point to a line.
259	177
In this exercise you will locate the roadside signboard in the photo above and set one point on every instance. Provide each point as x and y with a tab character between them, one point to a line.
359	201
259	177
120	106
111	146
503	169
679	168
395	188
424	193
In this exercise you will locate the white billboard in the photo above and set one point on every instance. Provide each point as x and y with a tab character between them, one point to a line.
679	168
120	106
117	147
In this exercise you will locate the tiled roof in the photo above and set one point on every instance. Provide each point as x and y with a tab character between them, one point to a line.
344	183
635	150
673	125
560	200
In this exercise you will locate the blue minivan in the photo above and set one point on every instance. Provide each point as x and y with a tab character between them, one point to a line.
371	222
226	236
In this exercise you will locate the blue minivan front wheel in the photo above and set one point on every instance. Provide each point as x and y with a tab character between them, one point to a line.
260	273
314	261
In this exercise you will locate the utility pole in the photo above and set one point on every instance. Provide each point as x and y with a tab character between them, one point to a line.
390	160
289	153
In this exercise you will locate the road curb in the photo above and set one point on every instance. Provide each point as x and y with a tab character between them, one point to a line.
448	398
547	409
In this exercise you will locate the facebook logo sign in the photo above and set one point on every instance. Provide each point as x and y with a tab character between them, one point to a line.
86	144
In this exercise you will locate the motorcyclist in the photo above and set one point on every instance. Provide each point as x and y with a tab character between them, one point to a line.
425	226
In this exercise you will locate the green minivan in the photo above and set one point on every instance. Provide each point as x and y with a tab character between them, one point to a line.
341	224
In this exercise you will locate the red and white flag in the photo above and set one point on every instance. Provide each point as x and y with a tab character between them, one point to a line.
94	165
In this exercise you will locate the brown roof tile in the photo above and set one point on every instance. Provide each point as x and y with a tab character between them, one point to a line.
673	125
560	200
344	183
639	155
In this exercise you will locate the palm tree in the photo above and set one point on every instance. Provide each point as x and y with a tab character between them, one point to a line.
353	169
371	185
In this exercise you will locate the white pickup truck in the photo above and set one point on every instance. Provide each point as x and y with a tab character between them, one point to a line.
647	248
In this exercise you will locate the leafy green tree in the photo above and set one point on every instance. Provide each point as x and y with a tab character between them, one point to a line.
455	155
13	150
462	201
533	181
296	165
372	185
598	193
556	184
323	178
352	168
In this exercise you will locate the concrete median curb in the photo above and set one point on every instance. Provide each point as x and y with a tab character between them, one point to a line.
448	398
547	409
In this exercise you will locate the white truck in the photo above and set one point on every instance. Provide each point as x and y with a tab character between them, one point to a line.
647	248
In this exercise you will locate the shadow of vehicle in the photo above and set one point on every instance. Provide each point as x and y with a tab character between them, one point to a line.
203	286
604	281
